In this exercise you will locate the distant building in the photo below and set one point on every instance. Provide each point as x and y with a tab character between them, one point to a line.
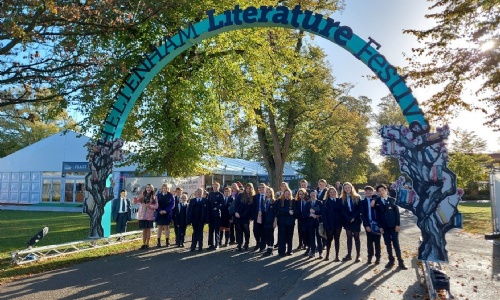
53	171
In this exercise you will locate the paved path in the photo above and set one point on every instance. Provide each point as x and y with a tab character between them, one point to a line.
179	274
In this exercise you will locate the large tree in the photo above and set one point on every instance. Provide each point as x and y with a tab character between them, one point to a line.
468	159
461	48
336	147
389	113
24	124
58	45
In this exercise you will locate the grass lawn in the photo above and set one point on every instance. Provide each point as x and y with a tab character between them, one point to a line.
19	226
476	217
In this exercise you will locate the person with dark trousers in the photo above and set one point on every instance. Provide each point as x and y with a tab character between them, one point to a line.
351	214
389	220
197	216
332	222
258	228
215	202
311	216
225	216
235	191
300	207
180	220
269	220
286	223
242	215
120	210
369	217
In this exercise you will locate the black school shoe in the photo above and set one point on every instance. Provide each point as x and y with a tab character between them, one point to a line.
390	264
347	258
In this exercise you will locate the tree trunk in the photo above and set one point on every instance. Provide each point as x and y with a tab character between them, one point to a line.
433	247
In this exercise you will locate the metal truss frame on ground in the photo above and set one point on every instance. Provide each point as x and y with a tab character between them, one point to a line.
46	252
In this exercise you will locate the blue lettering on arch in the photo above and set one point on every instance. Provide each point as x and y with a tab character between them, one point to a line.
237	18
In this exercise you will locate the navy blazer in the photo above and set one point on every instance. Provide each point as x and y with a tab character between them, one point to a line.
243	209
269	213
348	215
284	217
215	202
224	210
364	211
306	214
255	206
166	202
197	213
332	214
180	215
116	206
323	194
387	215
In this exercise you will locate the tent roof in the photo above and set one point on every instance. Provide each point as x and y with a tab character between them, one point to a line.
236	166
48	154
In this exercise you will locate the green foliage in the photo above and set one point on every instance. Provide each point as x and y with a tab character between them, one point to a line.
467	159
24	124
454	54
389	113
336	149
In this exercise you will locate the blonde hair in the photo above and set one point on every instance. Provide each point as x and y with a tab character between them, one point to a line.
291	200
272	193
246	198
354	195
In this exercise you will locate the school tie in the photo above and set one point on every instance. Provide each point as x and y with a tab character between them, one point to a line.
123	205
199	200
349	202
385	201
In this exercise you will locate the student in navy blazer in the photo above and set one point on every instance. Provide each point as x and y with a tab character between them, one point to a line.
226	219
311	214
242	215
120	211
258	228
286	223
180	220
369	217
215	202
197	216
351	213
301	199
322	189
164	212
269	220
389	220
332	222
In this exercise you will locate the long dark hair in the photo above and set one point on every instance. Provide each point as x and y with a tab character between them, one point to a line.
149	197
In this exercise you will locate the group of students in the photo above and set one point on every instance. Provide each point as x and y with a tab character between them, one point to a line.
320	214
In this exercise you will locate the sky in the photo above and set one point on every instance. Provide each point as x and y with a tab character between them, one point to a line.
384	21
